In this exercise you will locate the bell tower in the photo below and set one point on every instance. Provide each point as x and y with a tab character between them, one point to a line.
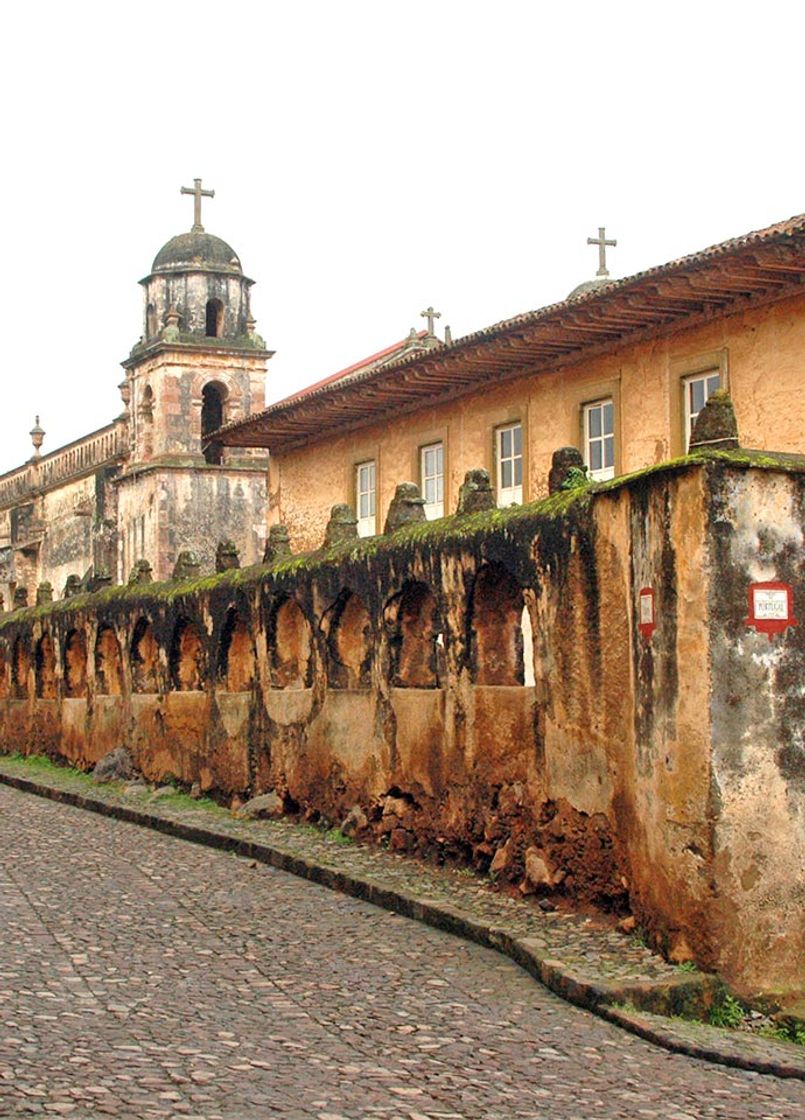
198	365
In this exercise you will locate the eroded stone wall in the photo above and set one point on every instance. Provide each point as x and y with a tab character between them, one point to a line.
660	769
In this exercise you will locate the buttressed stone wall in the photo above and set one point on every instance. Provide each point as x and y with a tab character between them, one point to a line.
656	762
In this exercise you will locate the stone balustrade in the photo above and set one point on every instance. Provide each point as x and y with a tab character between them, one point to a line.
103	446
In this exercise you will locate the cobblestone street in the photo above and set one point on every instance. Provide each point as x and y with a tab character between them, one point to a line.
142	976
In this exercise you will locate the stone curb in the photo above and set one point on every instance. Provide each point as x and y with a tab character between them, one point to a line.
583	991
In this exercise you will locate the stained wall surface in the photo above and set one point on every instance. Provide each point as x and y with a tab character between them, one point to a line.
660	770
758	350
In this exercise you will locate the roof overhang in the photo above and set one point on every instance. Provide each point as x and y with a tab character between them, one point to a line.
760	267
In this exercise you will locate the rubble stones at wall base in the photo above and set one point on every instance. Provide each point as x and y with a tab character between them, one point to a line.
117	765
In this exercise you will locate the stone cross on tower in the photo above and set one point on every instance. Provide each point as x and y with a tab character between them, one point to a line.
430	315
601	242
197	193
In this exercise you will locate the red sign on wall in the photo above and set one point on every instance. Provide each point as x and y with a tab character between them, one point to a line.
646	623
771	607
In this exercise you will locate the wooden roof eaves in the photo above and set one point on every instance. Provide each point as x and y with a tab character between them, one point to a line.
563	334
277	431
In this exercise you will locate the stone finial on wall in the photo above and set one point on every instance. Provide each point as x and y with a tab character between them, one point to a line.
567	470
141	572
170	332
715	426
44	594
97	580
187	566
227	556
20	597
407	506
476	493
342	526
278	545
72	586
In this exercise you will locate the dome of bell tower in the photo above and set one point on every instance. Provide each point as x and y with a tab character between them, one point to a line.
198	251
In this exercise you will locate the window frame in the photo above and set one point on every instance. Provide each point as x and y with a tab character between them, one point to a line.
508	495
603	473
367	525
434	509
680	370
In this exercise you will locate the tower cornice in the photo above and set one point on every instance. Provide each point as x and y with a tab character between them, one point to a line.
208	348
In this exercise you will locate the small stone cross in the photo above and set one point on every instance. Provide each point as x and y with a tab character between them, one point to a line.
430	315
601	242
197	193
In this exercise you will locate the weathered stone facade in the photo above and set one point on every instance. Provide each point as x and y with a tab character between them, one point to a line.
150	485
656	761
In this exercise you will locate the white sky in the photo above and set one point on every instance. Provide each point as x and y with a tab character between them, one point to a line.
368	159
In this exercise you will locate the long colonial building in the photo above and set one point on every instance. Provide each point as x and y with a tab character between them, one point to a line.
619	369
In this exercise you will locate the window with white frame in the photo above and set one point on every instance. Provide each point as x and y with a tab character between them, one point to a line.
599	439
366	498
509	464
698	390
431	470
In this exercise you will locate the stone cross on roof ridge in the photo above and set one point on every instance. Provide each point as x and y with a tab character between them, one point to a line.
430	315
197	193
601	242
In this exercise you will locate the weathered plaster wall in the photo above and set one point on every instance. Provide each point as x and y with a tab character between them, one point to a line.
164	512
757	703
762	348
68	529
391	674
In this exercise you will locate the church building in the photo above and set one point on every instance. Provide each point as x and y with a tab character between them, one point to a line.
150	484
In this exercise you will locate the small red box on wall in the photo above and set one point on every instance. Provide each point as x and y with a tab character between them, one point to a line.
646	623
771	607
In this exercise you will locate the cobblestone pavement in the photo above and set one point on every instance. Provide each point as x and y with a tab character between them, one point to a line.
143	976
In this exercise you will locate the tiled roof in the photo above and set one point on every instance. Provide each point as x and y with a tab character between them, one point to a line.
372	362
765	264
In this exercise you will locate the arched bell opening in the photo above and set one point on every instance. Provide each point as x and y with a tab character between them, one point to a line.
213	396
214	319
